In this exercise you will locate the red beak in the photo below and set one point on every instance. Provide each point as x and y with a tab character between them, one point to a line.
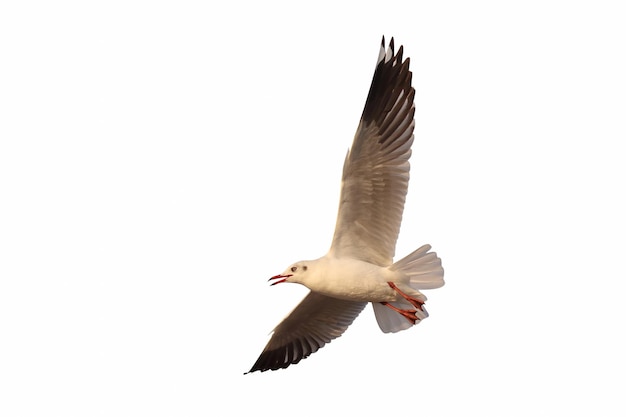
281	278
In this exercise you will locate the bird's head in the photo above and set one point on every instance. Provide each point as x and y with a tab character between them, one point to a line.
298	272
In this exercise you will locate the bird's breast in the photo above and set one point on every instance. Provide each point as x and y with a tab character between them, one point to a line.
354	280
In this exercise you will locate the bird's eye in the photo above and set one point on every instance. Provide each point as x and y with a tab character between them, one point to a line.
294	268
304	268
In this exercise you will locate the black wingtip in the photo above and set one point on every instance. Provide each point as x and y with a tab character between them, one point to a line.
392	75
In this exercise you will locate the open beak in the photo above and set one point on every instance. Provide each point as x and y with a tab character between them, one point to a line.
280	278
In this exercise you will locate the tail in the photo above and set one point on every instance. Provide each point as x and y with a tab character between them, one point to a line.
425	272
423	268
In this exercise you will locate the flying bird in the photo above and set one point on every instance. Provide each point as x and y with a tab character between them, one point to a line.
359	266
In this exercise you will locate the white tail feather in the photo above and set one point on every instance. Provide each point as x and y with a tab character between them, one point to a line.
422	267
425	272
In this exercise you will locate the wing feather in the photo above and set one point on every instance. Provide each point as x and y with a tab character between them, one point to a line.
376	169
317	320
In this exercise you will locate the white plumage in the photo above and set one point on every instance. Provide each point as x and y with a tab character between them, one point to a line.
359	266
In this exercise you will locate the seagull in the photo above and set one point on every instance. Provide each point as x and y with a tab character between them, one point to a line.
359	268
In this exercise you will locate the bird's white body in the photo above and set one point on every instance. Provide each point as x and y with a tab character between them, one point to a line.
350	279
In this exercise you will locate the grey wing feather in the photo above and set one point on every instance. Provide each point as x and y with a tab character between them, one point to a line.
376	170
317	320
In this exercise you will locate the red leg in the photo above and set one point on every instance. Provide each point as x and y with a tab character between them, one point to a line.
408	314
416	303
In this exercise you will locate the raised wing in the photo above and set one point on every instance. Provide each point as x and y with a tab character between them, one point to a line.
376	170
314	322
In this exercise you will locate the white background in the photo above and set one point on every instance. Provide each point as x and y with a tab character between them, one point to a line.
160	160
